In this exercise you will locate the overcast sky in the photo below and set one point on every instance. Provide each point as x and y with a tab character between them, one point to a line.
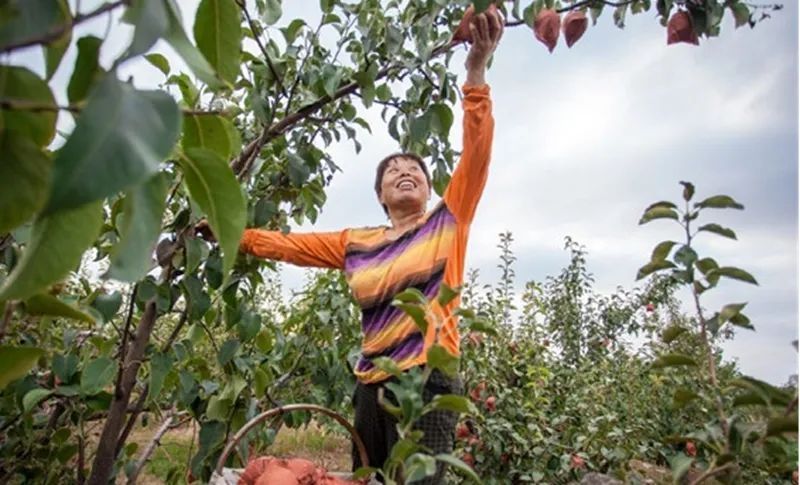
587	137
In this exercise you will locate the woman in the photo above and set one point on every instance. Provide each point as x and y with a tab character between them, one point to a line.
421	249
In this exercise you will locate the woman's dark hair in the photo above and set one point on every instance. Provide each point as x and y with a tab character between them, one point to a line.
384	164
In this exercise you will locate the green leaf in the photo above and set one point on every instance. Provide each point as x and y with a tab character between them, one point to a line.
661	251
20	84
24	179
418	466
717	229
227	351
272	11
26	20
46	304
416	312
452	402
15	362
440	358
108	304
683	396
719	202
411	295
214	188
441	119
420	128
459	466
706	264
685	256
297	169
160	365
387	365
688	191
191	55
662	204
87	70
740	320
751	399
658	213
671	333
151	22
56	245
730	311
160	62
736	274
445	295
652	267
782	424
741	14
670	360
135	129
54	51
98	374
680	464
211	437
212	132
142	211
65	366
34	397
218	34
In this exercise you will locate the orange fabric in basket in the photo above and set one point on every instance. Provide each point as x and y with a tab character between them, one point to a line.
269	470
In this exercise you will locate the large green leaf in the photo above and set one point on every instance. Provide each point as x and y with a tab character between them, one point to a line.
719	202
46	304
452	402
272	11
54	51
34	397
671	360
441	118
24	179
28	20
736	274
183	46
213	132
20	84
459	466
87	70
15	362
119	141
214	188
662	250
142	211
440	358
160	365
151	21
658	212
56	245
652	267
717	229
97	375
218	33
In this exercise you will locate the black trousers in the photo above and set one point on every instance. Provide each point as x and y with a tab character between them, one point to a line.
378	429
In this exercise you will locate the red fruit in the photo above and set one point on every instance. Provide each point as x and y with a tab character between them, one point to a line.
679	29
794	477
491	403
462	431
302	469
504	458
691	449
468	459
576	461
462	32
575	24
650	307
474	442
476	392
475	338
546	27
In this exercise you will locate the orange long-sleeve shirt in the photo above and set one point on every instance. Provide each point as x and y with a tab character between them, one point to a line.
377	268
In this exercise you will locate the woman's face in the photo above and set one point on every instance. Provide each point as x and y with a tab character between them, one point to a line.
404	185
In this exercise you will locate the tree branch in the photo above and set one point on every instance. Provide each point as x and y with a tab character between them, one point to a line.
243	6
56	33
154	443
714	471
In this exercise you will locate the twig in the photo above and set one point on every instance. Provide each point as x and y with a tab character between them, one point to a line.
56	33
713	472
243	6
154	443
123	346
9	310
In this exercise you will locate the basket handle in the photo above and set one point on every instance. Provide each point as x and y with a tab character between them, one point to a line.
362	451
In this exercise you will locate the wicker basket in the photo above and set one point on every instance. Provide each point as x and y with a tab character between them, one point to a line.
230	476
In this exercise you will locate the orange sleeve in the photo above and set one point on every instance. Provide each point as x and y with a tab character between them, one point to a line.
466	185
318	249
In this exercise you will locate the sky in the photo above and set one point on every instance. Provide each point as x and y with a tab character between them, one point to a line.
586	138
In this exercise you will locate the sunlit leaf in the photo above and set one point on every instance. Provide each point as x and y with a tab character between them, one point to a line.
19	83
658	213
671	360
46	304
24	179
98	374
719	202
717	229
218	34
15	362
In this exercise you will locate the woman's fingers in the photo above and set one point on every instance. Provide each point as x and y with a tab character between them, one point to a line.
483	27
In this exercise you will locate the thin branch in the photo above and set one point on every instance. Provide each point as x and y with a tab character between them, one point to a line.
6	318
56	33
123	346
714	471
154	443
243	6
